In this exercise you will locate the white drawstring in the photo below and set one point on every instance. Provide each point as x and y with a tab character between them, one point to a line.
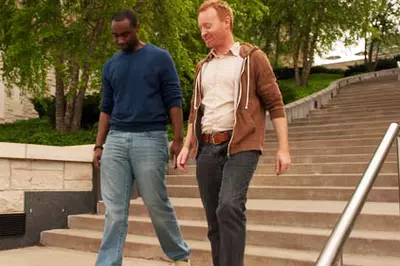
248	82
195	91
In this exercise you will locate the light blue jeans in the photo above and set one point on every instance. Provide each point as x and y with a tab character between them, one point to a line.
139	157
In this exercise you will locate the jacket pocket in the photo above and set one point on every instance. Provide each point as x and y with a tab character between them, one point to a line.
244	127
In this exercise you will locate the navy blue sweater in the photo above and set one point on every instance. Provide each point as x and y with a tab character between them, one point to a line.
139	88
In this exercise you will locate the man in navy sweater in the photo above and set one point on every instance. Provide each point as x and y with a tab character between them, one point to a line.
140	88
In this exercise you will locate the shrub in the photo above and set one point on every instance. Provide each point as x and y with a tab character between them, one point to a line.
386	63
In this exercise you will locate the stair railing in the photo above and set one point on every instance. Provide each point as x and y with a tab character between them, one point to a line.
398	72
332	254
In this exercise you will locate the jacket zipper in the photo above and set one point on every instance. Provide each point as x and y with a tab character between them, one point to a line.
237	106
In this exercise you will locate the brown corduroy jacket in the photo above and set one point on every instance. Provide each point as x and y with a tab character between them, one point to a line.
255	93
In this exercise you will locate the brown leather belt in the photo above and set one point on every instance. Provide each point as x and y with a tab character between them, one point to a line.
216	137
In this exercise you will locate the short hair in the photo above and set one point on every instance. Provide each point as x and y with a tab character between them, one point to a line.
123	14
222	8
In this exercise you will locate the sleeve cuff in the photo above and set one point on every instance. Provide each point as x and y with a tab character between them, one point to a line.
176	103
277	113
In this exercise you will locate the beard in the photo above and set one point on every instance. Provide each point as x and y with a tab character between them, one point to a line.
130	46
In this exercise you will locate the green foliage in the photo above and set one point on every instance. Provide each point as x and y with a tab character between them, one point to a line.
71	35
40	131
74	37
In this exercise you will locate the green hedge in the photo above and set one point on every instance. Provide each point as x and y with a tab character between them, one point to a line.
382	64
285	73
40	131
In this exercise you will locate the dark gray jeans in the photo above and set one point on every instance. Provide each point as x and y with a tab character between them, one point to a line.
223	183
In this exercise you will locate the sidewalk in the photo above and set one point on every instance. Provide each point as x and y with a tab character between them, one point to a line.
49	256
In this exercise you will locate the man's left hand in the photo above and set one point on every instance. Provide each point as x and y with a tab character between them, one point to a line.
282	161
175	149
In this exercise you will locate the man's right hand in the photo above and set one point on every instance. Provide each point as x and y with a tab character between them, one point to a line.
97	157
182	159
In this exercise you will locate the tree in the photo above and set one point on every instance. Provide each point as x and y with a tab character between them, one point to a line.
72	39
382	29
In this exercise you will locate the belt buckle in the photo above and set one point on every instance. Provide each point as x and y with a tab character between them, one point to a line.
213	138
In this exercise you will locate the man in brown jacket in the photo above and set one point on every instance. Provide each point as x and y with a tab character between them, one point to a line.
234	87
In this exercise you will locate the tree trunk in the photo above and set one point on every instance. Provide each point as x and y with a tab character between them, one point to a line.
370	53
306	51
71	98
277	45
60	96
77	118
79	96
308	65
295	52
60	93
377	55
365	51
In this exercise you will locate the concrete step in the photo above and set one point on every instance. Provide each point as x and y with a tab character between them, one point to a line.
311	169
357	110
361	104
335	120
344	125
390	99
50	256
329	150
271	137
323	180
296	213
300	238
387	83
339	133
148	247
359	95
348	127
325	114
341	158
354	92
329	143
377	194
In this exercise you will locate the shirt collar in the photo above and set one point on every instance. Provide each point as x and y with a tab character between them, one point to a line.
234	50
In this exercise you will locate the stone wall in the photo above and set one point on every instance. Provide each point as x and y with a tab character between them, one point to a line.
29	168
14	106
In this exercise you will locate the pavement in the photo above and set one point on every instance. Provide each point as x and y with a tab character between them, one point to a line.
51	256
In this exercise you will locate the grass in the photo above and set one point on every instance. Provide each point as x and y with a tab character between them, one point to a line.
39	131
316	83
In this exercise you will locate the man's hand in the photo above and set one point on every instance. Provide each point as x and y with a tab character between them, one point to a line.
97	157
175	149
282	161
182	159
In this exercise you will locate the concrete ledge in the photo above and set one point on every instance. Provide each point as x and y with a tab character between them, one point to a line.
81	153
301	108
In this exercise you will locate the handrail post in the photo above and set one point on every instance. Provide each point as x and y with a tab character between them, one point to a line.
398	72
398	162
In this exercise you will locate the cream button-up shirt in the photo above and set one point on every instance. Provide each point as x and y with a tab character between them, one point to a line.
217	87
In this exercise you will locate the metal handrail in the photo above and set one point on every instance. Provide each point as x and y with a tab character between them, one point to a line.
332	254
398	73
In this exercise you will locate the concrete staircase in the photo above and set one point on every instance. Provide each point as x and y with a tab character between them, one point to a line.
290	217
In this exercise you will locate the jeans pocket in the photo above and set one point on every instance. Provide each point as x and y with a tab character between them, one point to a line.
159	134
